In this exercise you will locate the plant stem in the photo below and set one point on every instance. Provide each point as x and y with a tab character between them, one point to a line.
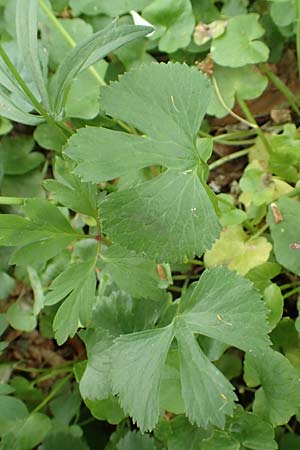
289	285
51	374
184	277
68	38
228	158
235	135
260	231
250	117
232	113
53	393
292	292
37	105
281	87
12	200
196	262
236	143
175	289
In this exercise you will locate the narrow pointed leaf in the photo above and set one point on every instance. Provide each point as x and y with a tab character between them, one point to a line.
26	27
90	51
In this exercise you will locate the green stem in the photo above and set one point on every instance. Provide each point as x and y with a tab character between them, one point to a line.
37	105
228	158
235	135
175	289
86	421
232	113
290	293
12	200
289	285
236	143
51	374
251	119
53	393
184	277
298	36
260	231
281	87
195	262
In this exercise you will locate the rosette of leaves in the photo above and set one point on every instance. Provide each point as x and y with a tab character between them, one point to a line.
170	217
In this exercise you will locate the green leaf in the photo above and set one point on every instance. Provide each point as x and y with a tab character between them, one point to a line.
49	137
221	440
7	285
262	275
179	97
137	372
235	302
11	411
77	307
134	273
239	45
56	44
207	394
143	403
284	12
182	431
170	396
134	440
244	430
20	316
26	27
289	442
32	431
70	279
274	302
235	250
69	191
246	82
44	228
66	406
171	217
285	233
284	158
16	155
278	398
83	98
28	185
173	21
90	51
63	441
13	112
115	8
95	383
108	409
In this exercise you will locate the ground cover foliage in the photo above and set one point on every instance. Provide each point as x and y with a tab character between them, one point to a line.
150	225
